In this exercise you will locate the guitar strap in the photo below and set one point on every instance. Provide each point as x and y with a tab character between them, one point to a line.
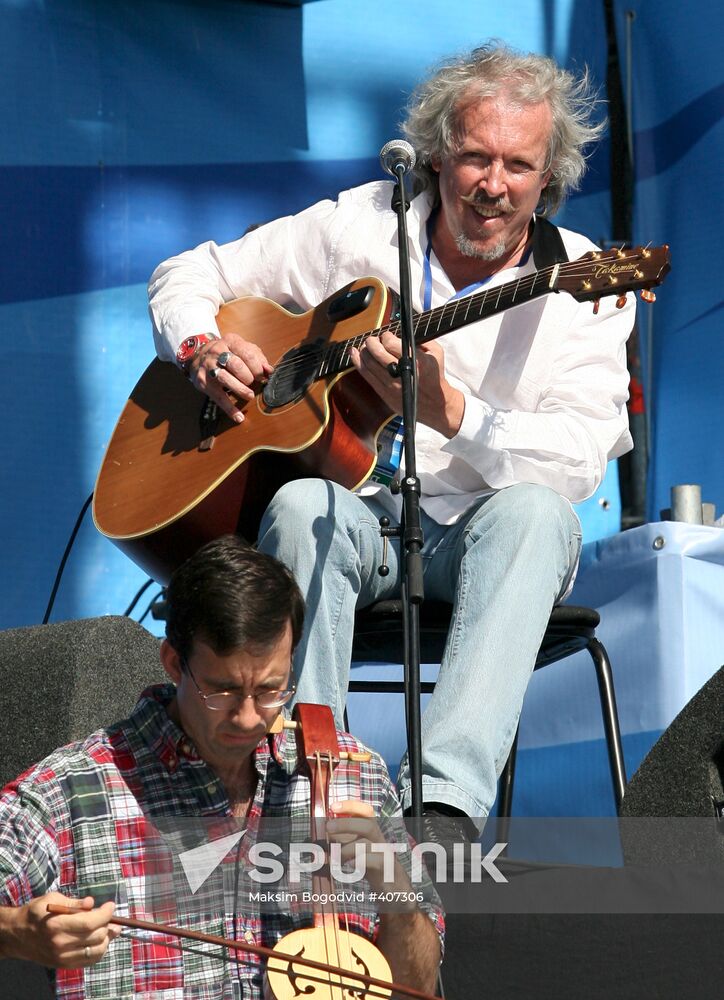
548	249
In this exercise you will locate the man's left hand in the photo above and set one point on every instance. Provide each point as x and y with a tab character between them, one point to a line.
439	404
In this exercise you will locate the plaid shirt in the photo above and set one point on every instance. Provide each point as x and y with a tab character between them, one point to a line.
84	821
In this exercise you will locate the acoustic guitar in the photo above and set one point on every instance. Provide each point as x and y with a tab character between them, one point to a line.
177	472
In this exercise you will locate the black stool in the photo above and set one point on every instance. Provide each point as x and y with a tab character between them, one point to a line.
377	639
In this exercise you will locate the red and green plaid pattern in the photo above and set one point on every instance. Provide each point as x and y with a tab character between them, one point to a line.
82	822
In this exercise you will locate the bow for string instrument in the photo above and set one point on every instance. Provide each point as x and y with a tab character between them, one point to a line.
329	939
325	961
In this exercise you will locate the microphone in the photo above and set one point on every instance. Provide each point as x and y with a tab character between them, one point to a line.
395	154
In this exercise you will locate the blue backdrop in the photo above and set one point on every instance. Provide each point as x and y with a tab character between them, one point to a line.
678	103
129	132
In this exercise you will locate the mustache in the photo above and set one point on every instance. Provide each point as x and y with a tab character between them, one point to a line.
481	200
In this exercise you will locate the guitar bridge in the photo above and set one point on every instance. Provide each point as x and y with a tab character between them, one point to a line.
208	424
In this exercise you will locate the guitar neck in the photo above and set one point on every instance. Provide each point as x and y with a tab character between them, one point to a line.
472	308
452	316
594	275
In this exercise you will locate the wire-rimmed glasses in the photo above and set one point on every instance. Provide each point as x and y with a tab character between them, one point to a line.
223	701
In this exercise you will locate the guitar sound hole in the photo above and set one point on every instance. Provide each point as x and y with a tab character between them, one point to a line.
293	375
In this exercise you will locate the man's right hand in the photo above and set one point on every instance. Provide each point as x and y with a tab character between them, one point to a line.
57	940
234	377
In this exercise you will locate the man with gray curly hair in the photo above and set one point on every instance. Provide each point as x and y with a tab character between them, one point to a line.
494	72
495	94
518	413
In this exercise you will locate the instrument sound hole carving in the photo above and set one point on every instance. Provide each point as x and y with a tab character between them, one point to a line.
293	374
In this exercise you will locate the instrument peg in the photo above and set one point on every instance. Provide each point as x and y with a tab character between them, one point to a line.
279	724
620	301
648	296
596	306
355	755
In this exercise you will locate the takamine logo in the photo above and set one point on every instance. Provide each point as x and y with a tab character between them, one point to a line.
601	270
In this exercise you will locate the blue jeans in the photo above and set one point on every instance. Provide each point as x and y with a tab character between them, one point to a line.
503	565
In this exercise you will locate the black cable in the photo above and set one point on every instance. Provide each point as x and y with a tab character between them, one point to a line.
151	603
137	598
64	560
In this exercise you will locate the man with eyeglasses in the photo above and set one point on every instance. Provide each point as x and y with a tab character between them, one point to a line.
80	825
517	413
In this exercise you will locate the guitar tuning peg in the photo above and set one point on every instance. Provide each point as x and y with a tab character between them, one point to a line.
647	295
596	306
620	301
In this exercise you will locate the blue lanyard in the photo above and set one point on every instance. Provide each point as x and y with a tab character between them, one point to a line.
427	271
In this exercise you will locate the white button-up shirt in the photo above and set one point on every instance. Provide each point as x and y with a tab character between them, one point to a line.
545	383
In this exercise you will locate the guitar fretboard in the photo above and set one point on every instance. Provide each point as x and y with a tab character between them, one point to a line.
591	277
334	358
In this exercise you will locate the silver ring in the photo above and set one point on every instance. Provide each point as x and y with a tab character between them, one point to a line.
214	373
86	951
223	359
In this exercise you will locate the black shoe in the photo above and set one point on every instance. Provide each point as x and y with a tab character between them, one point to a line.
452	830
445	825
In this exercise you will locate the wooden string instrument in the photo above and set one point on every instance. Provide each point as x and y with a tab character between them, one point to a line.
326	961
329	938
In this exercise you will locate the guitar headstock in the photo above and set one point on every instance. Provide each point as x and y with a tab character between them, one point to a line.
615	272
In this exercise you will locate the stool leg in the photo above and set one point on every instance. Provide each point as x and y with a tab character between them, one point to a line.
505	794
610	719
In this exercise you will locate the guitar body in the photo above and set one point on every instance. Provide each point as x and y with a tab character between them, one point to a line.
159	496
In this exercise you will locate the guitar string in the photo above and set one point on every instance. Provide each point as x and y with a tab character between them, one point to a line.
330	359
313	975
332	942
448	310
571	268
332	939
332	356
329	362
342	938
348	933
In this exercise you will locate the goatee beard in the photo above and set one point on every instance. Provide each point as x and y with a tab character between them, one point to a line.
468	249
466	246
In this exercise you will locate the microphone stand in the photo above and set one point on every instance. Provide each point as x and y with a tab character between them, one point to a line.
410	529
